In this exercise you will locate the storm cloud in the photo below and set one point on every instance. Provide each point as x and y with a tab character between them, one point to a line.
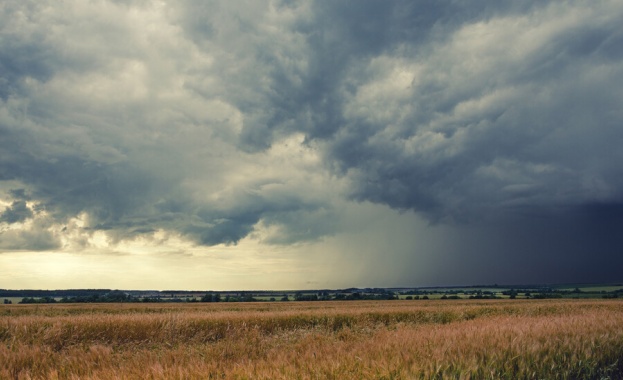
213	122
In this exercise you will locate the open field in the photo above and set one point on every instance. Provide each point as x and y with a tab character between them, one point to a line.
477	339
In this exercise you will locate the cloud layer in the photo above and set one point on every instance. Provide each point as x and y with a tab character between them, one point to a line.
214	122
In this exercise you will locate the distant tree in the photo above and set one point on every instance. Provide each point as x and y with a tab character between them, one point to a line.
117	296
305	297
355	296
27	300
324	295
7	302
247	298
207	297
512	294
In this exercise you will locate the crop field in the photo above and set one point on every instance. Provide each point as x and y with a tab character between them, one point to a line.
434	339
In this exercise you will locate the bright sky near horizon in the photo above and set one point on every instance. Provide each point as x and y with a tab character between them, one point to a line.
309	144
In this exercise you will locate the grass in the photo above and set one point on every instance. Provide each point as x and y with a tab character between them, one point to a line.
499	339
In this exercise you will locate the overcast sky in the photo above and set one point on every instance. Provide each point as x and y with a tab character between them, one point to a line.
310	144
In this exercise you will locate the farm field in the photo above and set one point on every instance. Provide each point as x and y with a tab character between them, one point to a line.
477	339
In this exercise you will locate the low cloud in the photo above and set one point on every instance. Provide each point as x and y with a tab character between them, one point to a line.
37	236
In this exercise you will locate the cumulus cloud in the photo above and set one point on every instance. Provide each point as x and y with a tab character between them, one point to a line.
140	120
216	121
511	110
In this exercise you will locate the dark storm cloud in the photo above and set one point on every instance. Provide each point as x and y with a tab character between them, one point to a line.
66	185
340	39
570	245
461	112
488	117
498	99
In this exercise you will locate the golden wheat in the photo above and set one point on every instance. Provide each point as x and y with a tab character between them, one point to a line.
551	339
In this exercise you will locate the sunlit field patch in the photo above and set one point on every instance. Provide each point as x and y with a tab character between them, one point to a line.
552	339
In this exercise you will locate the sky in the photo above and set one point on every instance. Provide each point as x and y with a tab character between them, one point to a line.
275	144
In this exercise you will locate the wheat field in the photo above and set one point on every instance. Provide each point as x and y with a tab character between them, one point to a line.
498	339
